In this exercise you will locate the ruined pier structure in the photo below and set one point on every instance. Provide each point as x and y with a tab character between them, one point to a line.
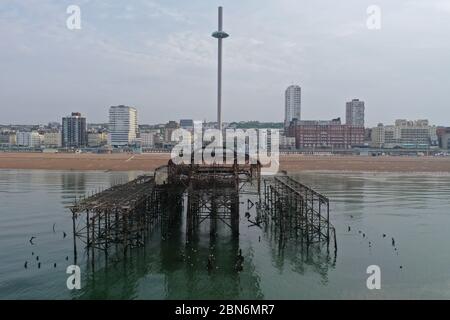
298	211
122	216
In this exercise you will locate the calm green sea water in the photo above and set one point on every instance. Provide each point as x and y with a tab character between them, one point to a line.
414	209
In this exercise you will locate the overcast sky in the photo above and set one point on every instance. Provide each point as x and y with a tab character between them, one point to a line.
159	56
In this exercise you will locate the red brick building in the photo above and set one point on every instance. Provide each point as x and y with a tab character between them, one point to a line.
325	134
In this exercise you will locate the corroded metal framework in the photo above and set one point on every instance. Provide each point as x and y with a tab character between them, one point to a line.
212	192
119	216
123	215
297	210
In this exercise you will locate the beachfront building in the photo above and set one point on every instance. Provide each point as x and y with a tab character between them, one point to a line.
287	143
74	132
325	134
405	134
52	139
169	128
123	125
293	104
354	113
443	134
187	124
149	138
8	139
97	139
29	139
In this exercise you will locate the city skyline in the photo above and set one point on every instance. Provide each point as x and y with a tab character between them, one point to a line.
128	60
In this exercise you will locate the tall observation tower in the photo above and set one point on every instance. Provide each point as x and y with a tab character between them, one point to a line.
220	35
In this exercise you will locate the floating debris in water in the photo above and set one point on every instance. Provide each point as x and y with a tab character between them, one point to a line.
31	240
25	265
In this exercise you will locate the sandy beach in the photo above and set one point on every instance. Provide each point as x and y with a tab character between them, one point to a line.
290	163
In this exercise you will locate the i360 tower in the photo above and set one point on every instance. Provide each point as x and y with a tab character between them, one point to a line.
220	35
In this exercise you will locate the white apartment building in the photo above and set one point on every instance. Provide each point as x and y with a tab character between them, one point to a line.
293	104
29	139
148	138
123	125
404	133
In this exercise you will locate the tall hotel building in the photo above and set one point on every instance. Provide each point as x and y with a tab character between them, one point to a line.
74	133
123	125
354	113
293	103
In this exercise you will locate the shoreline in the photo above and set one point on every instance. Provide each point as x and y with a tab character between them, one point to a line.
290	163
